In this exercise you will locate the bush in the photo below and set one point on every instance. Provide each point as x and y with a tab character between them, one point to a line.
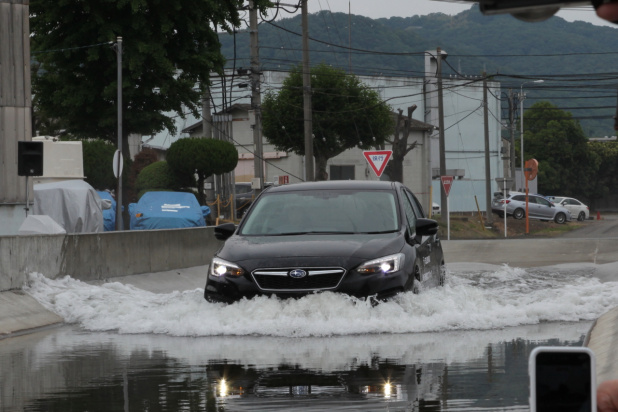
98	158
144	158
157	176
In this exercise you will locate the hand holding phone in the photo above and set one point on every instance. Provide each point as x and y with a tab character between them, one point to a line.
562	379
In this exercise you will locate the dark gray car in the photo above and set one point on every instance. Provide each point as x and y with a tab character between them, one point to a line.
538	208
361	238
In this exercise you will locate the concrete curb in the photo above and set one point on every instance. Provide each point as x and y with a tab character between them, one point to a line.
603	340
21	313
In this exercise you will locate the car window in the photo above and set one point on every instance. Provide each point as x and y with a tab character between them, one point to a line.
243	189
418	209
520	198
410	214
543	201
323	211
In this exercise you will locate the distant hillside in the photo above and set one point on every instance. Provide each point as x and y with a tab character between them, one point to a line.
576	60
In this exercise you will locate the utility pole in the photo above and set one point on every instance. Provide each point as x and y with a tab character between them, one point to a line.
487	162
119	223
443	197
309	174
256	99
512	129
207	133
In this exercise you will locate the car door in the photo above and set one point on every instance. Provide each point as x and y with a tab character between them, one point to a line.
545	208
533	207
572	206
424	248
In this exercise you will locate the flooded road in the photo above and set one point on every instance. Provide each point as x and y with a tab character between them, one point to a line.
463	347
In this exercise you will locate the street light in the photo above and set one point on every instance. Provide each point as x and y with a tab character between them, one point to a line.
521	100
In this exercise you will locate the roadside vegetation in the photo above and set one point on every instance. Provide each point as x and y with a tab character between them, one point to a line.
470	226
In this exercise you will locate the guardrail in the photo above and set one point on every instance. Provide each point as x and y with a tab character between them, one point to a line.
98	256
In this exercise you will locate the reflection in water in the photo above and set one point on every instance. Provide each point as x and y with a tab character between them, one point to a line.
67	369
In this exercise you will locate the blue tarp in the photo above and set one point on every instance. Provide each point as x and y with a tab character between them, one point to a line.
109	215
167	210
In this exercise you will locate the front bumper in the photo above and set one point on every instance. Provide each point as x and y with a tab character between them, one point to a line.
229	289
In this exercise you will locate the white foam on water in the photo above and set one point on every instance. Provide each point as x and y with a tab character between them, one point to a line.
482	299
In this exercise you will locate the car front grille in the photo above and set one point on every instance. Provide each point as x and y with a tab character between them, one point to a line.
279	280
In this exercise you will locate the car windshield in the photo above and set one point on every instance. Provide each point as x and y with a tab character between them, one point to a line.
323	211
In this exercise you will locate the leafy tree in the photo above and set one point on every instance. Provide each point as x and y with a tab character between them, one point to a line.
144	158
169	50
567	167
98	158
202	157
606	179
346	114
157	176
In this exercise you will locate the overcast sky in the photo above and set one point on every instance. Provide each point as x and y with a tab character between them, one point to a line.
406	8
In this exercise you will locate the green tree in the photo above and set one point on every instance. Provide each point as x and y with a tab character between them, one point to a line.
169	50
346	114
606	179
201	157
98	158
157	176
144	158
567	167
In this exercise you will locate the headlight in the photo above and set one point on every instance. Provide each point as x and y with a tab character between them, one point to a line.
220	267
387	264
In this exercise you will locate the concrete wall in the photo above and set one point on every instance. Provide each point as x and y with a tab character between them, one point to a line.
97	256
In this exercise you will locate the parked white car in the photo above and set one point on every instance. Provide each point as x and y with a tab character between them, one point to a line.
577	208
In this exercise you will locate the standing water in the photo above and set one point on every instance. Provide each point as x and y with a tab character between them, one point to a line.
461	347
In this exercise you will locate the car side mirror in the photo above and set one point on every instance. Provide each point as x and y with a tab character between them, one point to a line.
426	227
225	231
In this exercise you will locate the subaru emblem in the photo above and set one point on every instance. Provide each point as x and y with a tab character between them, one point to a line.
297	273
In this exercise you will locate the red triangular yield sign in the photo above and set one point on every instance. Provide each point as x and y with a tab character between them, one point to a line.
447	182
378	160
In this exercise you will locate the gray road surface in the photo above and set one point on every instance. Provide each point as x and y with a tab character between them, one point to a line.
607	227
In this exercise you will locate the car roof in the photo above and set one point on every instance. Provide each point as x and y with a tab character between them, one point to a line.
336	185
529	195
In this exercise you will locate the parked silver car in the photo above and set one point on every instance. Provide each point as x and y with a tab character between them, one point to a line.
576	207
538	208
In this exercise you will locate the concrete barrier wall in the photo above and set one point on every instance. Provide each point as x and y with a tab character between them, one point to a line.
96	256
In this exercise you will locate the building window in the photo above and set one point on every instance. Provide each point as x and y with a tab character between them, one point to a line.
341	172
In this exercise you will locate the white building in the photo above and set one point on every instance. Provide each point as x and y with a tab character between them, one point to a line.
464	137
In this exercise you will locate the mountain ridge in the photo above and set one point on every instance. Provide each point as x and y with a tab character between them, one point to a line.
572	58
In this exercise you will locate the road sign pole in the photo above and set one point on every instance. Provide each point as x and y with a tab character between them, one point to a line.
504	200
448	218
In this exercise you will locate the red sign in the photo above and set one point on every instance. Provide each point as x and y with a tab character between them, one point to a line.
378	160
447	182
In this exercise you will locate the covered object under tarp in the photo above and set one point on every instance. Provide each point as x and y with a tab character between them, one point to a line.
167	210
109	214
38	225
73	204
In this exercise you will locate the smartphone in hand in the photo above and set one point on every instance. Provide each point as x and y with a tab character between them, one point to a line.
562	379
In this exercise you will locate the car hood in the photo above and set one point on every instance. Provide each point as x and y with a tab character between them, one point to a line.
310	250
